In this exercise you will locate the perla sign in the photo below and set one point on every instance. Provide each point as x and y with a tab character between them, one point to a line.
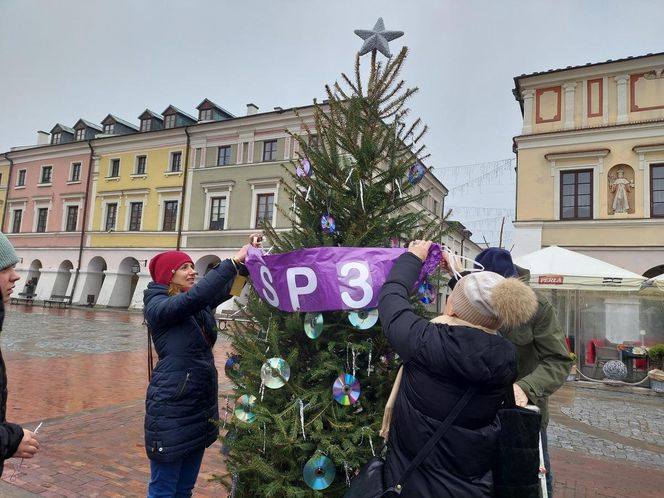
322	278
550	280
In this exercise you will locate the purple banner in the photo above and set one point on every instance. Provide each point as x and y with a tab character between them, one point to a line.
322	278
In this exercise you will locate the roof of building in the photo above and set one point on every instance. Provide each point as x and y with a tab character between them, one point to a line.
148	113
177	111
88	124
587	64
208	101
62	127
120	121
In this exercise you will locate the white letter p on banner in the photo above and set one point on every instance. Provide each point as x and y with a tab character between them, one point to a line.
293	290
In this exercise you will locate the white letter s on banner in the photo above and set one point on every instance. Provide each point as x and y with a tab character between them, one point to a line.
266	277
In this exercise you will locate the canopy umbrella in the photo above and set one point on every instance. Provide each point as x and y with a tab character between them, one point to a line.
556	268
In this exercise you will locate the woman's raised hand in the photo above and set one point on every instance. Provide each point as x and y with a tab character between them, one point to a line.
420	248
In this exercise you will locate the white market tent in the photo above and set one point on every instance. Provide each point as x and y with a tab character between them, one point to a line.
557	268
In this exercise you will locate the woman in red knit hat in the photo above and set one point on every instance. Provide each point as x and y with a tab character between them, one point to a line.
182	398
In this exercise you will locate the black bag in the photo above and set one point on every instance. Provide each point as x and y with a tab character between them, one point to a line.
369	481
516	469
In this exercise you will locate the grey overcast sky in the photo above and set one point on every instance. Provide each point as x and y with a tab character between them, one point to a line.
70	59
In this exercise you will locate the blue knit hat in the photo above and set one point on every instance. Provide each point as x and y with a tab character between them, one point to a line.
8	255
498	261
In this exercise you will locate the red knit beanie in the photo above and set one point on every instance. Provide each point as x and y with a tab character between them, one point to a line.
164	265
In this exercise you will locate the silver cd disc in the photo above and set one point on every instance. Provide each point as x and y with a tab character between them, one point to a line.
275	372
363	319
313	325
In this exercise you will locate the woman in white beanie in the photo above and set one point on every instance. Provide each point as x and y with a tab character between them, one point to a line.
442	358
15	441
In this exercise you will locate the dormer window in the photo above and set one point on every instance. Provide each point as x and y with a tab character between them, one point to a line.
146	124
205	115
109	129
55	138
80	134
169	121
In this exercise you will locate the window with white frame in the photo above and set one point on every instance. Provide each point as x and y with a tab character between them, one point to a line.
109	129
176	162
217	213
135	216
656	190
46	174
17	217
111	216
141	162
80	134
20	179
146	124
55	138
114	169
42	219
72	219
75	172
170	216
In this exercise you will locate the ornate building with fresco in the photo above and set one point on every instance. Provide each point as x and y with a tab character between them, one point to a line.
590	162
88	206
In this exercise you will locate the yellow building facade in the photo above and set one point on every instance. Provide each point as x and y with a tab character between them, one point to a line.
590	162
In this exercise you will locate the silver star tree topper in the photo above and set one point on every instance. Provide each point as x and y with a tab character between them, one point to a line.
377	38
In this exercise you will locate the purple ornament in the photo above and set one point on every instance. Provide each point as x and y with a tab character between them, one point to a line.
327	224
416	173
304	168
432	262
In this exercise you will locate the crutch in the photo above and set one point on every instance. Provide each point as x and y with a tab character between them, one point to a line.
542	468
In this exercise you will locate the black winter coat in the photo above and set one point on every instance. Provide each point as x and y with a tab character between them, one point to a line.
440	362
11	435
182	398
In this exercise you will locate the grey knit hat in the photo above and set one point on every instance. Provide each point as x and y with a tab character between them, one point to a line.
8	255
492	301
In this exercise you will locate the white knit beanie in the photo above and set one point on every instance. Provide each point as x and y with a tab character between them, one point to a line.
8	255
488	300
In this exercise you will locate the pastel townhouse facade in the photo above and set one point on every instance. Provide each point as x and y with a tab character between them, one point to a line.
590	162
44	213
90	205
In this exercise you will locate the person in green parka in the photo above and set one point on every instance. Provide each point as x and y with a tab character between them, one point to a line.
542	355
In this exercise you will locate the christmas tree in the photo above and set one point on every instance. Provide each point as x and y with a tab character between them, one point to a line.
351	187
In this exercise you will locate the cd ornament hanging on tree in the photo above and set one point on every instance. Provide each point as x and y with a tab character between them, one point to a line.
426	293
346	389
313	325
232	366
327	224
363	319
243	407
275	372
304	168
416	173
319	472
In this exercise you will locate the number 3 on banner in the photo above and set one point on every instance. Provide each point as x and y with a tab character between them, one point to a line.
361	282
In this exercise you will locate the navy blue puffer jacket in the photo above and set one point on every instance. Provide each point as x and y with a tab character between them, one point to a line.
440	362
182	398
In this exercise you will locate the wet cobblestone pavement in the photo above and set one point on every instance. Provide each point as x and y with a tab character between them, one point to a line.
83	373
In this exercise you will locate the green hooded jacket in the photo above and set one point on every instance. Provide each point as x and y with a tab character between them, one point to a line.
542	355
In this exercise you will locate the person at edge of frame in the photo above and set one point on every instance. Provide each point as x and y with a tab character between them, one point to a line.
15	442
543	358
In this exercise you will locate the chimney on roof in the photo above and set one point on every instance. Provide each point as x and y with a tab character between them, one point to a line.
252	109
42	137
